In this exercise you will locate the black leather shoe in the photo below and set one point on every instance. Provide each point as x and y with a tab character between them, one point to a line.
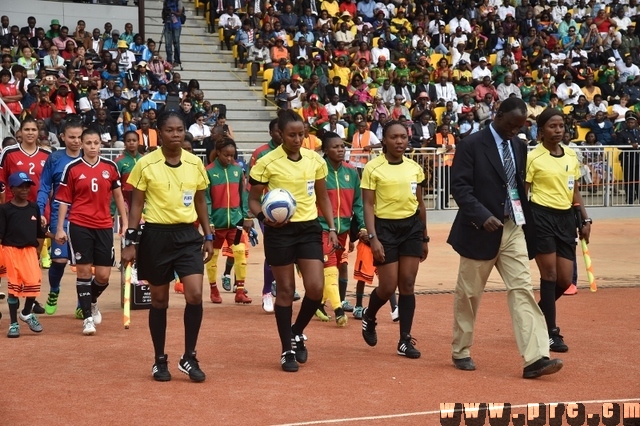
465	364
542	367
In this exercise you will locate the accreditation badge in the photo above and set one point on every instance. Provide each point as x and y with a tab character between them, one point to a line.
516	206
187	198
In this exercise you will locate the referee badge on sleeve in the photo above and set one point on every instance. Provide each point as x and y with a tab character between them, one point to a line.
187	198
414	187
571	182
310	187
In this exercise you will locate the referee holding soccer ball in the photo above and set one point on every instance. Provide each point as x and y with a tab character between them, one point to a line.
302	172
170	184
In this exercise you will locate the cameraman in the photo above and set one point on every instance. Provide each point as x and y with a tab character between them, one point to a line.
173	17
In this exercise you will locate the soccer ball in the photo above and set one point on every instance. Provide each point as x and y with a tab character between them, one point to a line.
278	205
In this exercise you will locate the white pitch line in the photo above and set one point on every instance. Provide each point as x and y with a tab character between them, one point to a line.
429	413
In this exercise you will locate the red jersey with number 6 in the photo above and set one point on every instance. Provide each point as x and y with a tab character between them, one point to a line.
87	189
14	159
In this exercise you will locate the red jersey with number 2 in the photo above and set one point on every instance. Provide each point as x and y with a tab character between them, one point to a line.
14	159
87	189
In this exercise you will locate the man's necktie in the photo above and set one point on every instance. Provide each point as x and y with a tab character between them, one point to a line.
510	171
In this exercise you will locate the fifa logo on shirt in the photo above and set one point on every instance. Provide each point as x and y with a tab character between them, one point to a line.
187	198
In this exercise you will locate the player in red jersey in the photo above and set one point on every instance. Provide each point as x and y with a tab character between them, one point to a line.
86	188
24	157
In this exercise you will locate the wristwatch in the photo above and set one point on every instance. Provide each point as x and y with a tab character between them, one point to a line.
426	239
371	236
587	220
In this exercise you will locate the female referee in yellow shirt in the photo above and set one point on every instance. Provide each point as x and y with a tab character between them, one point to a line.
170	184
396	220
302	172
552	179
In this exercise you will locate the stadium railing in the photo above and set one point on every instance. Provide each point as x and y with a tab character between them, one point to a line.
602	180
9	124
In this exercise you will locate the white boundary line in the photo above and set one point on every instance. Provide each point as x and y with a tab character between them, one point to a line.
429	413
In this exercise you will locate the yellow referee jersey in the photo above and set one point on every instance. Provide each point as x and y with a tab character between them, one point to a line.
552	179
169	190
395	186
276	170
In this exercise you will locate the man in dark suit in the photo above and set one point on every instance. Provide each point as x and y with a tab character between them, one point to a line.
37	41
494	227
30	29
423	130
336	88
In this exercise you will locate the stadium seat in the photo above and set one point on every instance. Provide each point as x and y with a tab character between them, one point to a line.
374	42
198	4
567	109
434	58
438	111
614	154
266	90
373	91
534	75
493	59
582	134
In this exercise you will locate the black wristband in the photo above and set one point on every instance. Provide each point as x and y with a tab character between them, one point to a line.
261	217
131	234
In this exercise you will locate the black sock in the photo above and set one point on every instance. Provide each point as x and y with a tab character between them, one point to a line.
83	288
548	302
359	292
158	329
375	303
283	322
406	308
192	321
307	311
228	266
342	288
28	305
559	291
14	304
339	312
97	289
393	301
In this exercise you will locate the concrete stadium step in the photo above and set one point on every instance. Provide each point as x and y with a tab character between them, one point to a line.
202	59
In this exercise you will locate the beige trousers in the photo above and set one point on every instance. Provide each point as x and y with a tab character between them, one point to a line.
512	263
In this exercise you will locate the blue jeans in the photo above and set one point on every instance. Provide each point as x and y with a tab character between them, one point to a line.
172	40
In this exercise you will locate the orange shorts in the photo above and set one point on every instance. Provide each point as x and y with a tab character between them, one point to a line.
3	265
227	243
364	269
331	256
23	271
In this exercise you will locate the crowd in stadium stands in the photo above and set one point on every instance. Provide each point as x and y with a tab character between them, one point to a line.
452	61
440	67
112	80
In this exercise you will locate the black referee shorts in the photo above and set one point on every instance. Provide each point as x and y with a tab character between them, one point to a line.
89	246
164	249
556	231
399	237
293	241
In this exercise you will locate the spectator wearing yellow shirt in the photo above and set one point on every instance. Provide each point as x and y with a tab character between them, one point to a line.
399	21
332	7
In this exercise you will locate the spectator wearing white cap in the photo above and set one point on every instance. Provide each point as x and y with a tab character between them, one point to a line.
481	71
568	92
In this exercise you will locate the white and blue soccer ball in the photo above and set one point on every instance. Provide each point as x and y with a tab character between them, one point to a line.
278	205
